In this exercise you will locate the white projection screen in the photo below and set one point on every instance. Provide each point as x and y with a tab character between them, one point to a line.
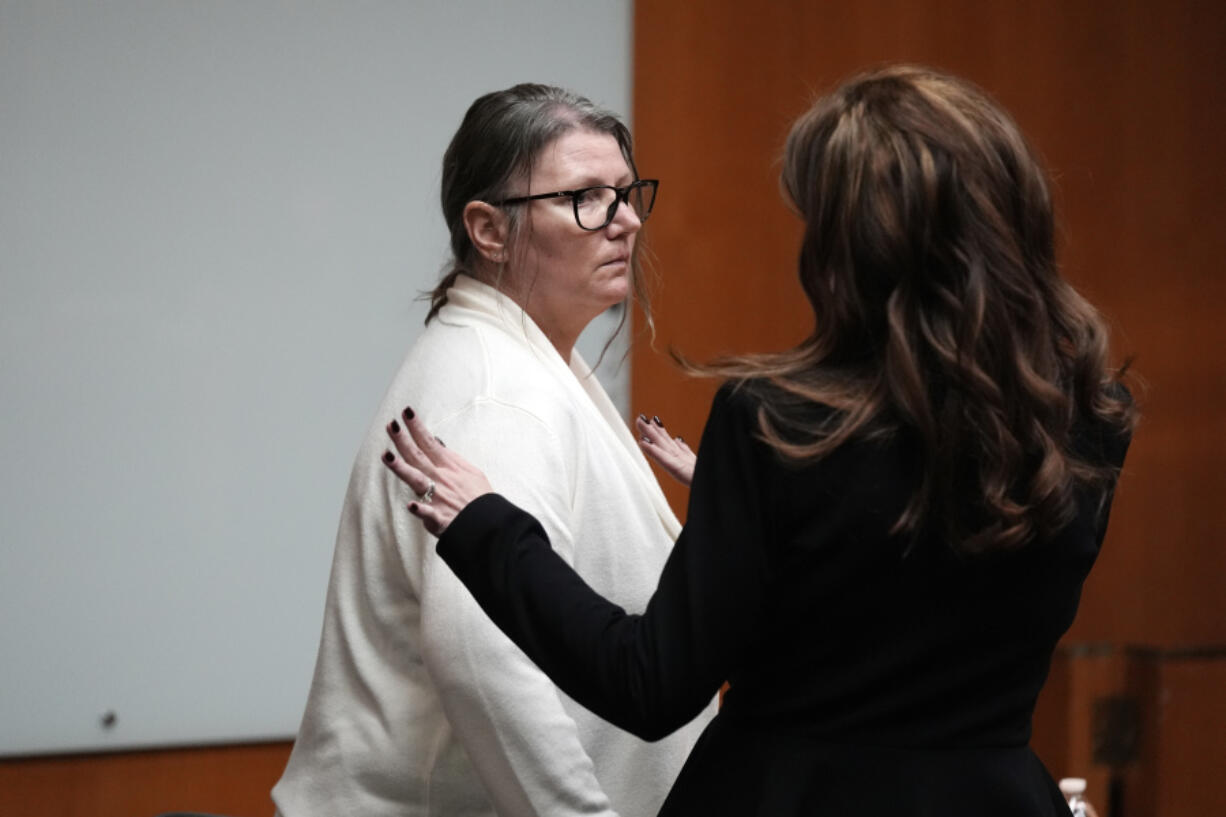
215	220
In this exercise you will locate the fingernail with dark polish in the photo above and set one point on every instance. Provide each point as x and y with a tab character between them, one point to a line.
643	417
395	427
656	420
680	440
413	508
408	414
389	457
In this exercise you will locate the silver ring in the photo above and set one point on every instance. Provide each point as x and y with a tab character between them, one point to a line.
429	494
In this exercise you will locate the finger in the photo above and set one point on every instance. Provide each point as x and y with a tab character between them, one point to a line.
408	449
649	433
427	442
659	438
652	429
429	517
418	482
654	425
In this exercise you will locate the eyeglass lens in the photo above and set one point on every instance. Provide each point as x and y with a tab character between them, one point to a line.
596	207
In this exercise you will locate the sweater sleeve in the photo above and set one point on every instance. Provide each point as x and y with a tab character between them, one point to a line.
505	712
649	673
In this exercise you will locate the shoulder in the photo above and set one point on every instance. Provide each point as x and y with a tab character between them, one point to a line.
736	397
792	415
455	365
749	395
734	410
735	419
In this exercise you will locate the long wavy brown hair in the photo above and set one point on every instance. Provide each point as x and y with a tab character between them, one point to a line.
929	259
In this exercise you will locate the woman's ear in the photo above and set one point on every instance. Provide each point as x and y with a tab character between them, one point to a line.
487	229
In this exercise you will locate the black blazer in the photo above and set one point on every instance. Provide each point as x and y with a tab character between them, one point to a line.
867	678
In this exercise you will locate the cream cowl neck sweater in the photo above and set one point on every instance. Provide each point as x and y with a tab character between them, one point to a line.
419	704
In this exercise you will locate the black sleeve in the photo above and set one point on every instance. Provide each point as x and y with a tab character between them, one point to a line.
649	674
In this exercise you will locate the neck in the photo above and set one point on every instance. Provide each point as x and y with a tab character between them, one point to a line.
564	345
561	338
560	335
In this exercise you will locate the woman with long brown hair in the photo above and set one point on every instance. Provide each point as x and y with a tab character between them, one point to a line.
889	525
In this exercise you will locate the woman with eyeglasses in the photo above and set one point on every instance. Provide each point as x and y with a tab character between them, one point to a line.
419	705
889	525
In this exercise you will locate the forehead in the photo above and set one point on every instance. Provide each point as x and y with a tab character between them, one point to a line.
579	158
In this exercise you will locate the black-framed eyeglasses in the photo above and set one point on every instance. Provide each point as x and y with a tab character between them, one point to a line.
596	206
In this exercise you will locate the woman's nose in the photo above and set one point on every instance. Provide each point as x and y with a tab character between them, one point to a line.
625	220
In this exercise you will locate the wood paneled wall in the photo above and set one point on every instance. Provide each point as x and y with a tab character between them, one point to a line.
1122	99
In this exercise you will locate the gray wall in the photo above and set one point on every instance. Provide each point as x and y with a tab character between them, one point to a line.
214	220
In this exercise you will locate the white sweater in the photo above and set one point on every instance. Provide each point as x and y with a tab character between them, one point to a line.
419	705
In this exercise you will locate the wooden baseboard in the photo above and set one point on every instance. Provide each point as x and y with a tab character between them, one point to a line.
231	780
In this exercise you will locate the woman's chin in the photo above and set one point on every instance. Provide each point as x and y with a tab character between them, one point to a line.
613	287
617	295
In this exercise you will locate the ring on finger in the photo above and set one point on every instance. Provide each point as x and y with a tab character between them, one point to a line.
429	494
